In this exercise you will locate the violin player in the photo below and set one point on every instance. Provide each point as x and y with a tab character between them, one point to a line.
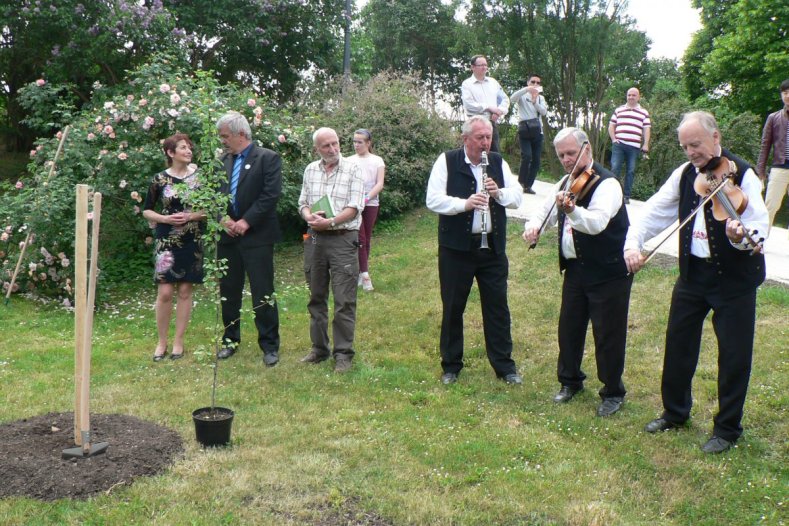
588	205
719	271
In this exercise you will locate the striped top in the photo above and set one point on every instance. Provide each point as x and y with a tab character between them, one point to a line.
630	124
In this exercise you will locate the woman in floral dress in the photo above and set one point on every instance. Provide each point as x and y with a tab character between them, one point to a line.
178	253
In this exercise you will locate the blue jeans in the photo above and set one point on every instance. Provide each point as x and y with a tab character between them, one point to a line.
530	160
624	153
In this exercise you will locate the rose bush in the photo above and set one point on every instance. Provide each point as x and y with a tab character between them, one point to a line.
114	147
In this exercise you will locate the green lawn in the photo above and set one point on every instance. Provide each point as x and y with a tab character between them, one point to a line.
386	443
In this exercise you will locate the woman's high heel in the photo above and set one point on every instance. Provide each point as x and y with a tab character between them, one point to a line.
159	357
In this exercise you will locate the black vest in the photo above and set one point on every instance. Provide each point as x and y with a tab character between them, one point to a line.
455	231
601	256
742	271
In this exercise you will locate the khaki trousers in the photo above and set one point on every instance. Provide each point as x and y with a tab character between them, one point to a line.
777	185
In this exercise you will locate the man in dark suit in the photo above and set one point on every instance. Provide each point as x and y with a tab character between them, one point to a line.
592	223
251	229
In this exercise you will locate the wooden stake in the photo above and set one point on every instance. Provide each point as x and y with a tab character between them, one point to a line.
87	347
80	303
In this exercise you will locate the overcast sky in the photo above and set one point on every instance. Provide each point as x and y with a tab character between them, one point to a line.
668	23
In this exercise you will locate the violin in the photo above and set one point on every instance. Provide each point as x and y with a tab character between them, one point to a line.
581	184
575	187
716	180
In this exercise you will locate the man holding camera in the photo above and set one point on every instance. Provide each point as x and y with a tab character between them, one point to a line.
531	109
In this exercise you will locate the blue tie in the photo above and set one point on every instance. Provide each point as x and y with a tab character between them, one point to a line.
234	180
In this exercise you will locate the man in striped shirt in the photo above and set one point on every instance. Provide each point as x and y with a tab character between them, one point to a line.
628	126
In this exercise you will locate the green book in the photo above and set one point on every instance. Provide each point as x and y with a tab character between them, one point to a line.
323	205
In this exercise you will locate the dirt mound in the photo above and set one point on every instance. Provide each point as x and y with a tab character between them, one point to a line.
32	465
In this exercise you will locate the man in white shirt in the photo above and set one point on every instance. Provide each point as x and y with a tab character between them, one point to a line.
482	95
470	198
589	208
718	271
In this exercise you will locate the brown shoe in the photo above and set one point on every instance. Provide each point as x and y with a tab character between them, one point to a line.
315	357
342	363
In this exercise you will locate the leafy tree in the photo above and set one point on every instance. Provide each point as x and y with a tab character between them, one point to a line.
415	36
751	58
74	43
265	44
586	52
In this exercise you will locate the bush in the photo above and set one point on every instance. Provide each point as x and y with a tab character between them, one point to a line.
741	134
407	134
114	147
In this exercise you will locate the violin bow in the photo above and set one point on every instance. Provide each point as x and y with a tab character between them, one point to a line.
568	184
684	222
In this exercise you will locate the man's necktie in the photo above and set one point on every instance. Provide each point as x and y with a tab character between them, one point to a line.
234	180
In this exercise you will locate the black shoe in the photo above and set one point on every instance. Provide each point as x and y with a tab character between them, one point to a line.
270	358
226	352
449	378
176	356
716	445
160	357
610	406
513	379
566	393
528	190
659	424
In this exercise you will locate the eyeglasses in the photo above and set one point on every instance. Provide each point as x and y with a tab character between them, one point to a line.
480	65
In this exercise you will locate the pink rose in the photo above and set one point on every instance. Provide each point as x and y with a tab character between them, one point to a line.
108	130
175	99
19	185
40	82
258	111
135	195
136	209
164	88
59	135
148	240
42	276
90	216
147	123
3	237
143	102
282	139
130	97
65	262
91	136
122	156
251	103
32	153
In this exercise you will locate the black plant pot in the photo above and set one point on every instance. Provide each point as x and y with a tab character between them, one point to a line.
212	426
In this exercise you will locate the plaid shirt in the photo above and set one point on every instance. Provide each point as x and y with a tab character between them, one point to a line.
345	188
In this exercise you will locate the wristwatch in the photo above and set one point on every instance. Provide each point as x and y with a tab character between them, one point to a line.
332	224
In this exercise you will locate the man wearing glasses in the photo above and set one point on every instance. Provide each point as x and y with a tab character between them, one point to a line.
531	109
482	95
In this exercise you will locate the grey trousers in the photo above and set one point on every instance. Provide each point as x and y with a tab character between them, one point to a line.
332	259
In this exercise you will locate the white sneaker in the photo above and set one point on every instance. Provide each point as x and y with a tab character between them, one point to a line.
367	283
359	283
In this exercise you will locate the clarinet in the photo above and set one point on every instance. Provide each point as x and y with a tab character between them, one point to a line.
484	212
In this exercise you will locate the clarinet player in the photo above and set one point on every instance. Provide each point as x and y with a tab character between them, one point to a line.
455	192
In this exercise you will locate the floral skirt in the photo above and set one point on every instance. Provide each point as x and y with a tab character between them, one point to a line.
178	261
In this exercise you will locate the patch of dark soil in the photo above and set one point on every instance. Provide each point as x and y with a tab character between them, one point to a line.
349	513
31	464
